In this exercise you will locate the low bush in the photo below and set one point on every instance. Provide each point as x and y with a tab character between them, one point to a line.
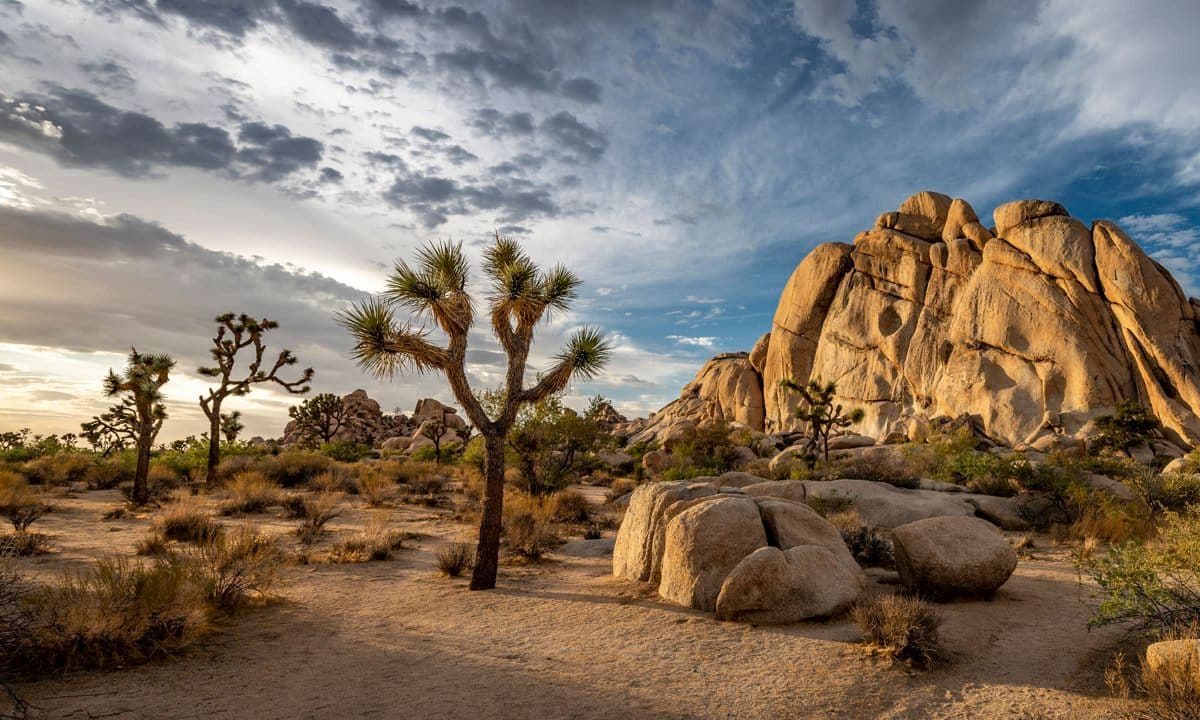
619	488
376	542
526	526
1169	491
336	480
296	468
24	544
250	492
454	558
703	450
231	467
108	473
187	522
236	566
19	503
152	544
1153	584
318	511
877	467
346	451
904	627
866	544
374	487
116	613
293	505
569	506
59	469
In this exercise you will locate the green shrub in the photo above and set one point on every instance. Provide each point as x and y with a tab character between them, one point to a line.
1170	491
703	450
1130	424
346	451
905	627
108	473
1155	584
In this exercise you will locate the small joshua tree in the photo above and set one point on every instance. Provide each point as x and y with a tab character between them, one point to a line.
140	414
521	295
231	425
822	415
235	334
320	417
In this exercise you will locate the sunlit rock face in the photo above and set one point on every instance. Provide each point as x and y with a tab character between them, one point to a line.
1033	327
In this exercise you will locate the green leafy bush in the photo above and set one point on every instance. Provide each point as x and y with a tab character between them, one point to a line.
346	451
703	450
1155	584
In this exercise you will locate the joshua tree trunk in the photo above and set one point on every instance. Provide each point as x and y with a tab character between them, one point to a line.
483	577
143	468
214	443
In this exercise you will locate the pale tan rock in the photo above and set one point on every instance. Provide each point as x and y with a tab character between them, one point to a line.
396	443
958	216
947	556
932	205
773	586
758	354
703	544
726	389
847	442
1166	654
656	459
789	524
631	554
667	506
1009	215
915	225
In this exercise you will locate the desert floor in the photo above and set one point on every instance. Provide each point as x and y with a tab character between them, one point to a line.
564	639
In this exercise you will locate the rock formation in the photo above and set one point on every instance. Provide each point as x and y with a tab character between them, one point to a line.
365	422
1027	330
727	388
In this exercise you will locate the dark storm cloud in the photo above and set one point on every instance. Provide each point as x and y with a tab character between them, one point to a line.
429	134
232	17
109	74
319	25
582	89
577	141
491	121
434	199
77	128
84	285
331	175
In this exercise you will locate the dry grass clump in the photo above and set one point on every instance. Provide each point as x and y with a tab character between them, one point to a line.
107	474
527	531
569	506
318	510
333	481
619	487
865	543
152	544
454	558
123	612
58	469
19	504
906	628
293	505
374	487
250	492
187	522
1166	690
878	467
117	613
376	542
237	566
296	468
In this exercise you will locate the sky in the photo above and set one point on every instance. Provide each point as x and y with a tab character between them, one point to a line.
166	161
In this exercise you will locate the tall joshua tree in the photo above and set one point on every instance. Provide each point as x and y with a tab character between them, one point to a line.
231	425
820	411
140	414
235	334
521	295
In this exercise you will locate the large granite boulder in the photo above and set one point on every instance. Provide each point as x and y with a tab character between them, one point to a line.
633	553
948	556
703	544
771	585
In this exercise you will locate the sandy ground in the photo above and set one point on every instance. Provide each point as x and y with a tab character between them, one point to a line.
564	639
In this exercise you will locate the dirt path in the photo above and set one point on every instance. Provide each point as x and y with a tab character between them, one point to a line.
564	639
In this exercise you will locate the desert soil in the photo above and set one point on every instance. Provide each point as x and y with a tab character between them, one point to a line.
564	639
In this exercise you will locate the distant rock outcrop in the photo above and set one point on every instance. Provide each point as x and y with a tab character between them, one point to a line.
364	422
726	389
1026	331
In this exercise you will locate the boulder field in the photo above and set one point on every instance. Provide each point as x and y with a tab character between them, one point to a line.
759	554
1031	328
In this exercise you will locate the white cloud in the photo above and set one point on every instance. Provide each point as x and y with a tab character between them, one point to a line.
698	341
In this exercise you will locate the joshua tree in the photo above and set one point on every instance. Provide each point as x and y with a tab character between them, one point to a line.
234	334
140	414
821	414
231	425
521	295
320	417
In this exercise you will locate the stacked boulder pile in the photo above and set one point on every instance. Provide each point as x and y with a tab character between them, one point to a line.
364	422
750	556
1026	331
432	424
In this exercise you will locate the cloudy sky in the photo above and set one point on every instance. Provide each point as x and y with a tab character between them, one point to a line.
163	161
